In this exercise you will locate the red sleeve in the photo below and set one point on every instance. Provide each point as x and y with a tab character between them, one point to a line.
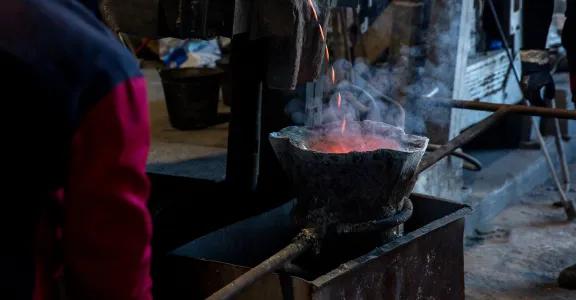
107	228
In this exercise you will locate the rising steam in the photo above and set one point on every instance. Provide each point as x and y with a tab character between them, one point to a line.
357	91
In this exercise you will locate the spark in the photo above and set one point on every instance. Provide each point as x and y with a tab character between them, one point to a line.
432	93
322	36
313	10
333	75
343	127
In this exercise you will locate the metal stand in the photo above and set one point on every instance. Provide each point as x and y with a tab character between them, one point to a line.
304	241
561	152
567	203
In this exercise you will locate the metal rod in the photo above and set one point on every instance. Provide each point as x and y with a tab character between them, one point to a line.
470	162
465	137
503	110
561	151
300	244
568	205
516	109
509	52
379	225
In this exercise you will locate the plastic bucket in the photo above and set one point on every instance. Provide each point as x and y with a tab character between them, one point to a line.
191	96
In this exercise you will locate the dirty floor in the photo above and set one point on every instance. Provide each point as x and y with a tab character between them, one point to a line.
519	255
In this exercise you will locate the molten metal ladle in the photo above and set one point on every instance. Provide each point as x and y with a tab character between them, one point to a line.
345	191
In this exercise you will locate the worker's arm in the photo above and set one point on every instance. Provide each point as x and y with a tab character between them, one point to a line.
107	228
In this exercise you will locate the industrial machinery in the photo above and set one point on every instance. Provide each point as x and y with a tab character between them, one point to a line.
344	60
359	198
440	48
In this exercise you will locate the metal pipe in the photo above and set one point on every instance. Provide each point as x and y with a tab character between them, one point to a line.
567	203
500	110
561	151
379	225
465	137
301	243
516	109
500	113
504	41
470	162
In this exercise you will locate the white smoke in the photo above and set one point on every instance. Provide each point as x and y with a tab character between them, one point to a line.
378	92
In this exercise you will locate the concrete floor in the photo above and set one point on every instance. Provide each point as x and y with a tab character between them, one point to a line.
521	253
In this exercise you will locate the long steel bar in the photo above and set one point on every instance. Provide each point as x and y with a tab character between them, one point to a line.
501	111
569	207
561	151
567	203
302	243
552	112
516	109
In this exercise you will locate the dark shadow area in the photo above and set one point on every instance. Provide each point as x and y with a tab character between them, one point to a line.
184	209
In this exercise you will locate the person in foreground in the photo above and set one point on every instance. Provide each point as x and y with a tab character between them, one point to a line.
75	224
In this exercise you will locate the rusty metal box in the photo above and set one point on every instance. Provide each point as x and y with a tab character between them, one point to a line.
426	263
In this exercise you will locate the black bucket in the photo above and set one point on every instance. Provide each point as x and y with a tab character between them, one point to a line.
191	96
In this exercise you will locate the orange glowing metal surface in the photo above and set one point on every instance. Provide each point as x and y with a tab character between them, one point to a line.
341	144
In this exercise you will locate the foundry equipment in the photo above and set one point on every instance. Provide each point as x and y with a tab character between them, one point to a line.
274	51
360	190
363	189
408	267
353	178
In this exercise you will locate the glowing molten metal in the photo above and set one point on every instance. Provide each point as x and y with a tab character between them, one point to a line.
337	143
